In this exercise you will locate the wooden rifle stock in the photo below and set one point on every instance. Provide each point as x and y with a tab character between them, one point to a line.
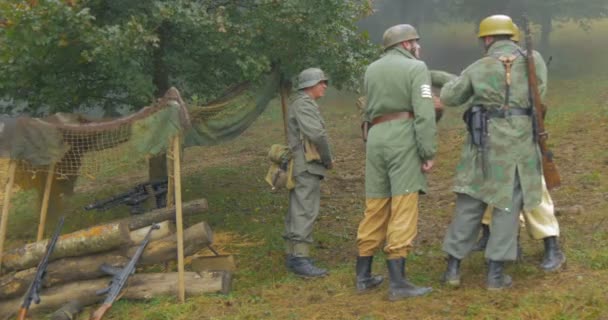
552	177
22	313
100	312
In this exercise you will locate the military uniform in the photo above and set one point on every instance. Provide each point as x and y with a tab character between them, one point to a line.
403	136
304	122
500	160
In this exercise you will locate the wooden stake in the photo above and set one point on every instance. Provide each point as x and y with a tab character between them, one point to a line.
179	222
170	172
7	202
45	201
284	93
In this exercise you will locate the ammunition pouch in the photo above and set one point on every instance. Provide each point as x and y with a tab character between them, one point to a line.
280	173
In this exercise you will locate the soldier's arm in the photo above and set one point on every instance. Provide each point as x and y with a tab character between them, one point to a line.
440	78
424	110
310	123
457	91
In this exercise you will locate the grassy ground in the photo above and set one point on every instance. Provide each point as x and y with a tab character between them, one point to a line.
247	219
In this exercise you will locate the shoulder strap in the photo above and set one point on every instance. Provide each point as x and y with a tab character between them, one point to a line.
507	62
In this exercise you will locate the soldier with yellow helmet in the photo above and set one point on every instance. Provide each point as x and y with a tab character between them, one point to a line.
500	161
540	222
400	148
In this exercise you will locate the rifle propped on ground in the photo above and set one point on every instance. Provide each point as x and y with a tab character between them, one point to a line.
33	293
120	277
552	177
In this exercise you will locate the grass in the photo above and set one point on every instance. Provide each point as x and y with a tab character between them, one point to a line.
248	221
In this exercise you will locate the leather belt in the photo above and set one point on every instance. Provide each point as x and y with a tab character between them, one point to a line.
392	116
512	111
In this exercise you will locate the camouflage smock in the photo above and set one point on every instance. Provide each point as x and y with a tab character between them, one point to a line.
397	82
304	120
510	145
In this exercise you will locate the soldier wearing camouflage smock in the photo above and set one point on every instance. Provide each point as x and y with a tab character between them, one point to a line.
401	144
500	160
541	222
304	122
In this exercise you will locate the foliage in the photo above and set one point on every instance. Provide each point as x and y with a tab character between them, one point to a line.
58	56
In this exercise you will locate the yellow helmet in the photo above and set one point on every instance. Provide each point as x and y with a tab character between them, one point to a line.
517	35
498	24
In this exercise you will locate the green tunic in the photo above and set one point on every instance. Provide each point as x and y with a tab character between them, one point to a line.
304	120
397	82
510	140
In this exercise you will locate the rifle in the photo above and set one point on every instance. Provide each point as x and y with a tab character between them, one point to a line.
552	177
33	292
132	198
120	277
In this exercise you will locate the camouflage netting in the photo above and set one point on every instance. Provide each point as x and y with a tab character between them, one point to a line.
81	147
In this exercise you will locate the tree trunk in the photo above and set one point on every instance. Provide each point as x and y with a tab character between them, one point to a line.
154	216
546	28
141	286
79	243
83	268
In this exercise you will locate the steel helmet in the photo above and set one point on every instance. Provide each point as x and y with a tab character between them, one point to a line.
517	35
397	34
310	77
498	24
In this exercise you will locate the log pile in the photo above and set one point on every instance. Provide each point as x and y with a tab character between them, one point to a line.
73	274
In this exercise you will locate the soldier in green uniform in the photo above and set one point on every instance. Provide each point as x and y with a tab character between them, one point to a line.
500	160
400	147
305	124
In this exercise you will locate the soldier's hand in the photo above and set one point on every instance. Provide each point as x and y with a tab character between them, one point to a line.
438	108
427	166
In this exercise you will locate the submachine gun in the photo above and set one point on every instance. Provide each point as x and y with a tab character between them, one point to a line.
120	277
552	177
33	292
134	197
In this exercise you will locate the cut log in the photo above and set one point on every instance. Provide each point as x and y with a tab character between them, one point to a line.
196	237
167	228
155	216
213	263
79	243
140	287
84	268
69	311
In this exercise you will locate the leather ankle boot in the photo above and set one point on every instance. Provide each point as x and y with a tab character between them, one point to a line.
303	267
554	257
365	280
400	287
451	277
497	280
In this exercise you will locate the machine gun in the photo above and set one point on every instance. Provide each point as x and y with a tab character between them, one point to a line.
120	277
33	292
134	197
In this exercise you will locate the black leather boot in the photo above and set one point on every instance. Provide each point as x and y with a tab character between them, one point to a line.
400	287
497	280
554	257
451	277
365	280
303	267
483	241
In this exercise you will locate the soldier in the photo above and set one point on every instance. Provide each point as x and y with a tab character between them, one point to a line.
500	161
306	126
540	222
400	148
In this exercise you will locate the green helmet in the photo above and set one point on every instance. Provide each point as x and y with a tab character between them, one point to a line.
310	77
498	24
397	34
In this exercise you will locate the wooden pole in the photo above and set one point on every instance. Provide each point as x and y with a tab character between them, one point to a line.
179	222
170	172
284	93
45	201
12	167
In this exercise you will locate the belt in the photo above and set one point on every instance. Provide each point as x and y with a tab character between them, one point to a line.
511	111
392	116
